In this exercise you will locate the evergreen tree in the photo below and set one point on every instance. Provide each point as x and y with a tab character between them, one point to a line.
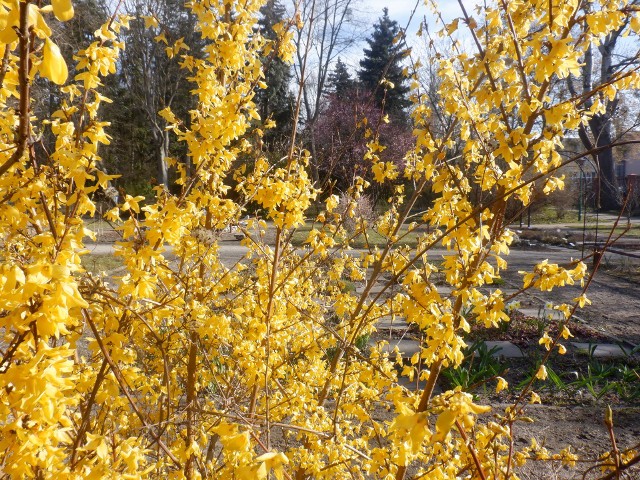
340	82
275	101
383	59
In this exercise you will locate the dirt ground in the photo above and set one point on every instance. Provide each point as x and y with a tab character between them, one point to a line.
614	296
615	306
583	427
574	416
578	420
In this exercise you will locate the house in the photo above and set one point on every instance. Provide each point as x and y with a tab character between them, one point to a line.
628	155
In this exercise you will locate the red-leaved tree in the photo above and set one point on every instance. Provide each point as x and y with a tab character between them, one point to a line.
345	127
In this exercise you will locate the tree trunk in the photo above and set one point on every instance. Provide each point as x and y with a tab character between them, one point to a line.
608	193
600	125
162	141
315	171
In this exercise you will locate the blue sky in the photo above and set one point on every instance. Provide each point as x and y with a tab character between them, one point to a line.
400	11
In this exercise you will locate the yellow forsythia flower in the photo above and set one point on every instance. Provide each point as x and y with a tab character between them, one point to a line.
542	373
443	424
8	20
53	65
62	9
272	461
502	385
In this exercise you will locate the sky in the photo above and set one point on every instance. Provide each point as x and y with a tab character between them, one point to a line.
400	11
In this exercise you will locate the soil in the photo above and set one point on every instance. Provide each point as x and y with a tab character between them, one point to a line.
571	414
582	427
615	303
615	307
524	331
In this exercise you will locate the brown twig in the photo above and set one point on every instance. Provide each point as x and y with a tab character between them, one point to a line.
25	84
124	387
608	421
472	450
5	64
625	466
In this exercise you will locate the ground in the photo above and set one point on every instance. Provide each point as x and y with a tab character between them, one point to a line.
583	427
614	293
575	417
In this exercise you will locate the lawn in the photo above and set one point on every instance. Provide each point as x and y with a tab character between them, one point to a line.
96	263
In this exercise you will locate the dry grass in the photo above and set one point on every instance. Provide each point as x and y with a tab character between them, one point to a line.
97	263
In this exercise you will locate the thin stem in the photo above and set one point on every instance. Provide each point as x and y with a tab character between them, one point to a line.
25	85
124	387
472	450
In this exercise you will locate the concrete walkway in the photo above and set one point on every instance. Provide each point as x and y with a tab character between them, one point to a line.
231	252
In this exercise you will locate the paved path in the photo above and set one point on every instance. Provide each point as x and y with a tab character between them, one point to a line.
518	259
231	252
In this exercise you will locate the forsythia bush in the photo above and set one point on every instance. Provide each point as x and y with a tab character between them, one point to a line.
190	367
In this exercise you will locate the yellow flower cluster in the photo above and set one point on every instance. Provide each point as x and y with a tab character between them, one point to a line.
193	365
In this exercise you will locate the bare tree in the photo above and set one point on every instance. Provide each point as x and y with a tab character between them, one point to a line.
159	33
601	65
329	30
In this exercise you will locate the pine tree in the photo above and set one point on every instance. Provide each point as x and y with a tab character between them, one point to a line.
275	101
383	59
340	82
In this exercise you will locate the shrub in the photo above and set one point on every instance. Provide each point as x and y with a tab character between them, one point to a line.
192	365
